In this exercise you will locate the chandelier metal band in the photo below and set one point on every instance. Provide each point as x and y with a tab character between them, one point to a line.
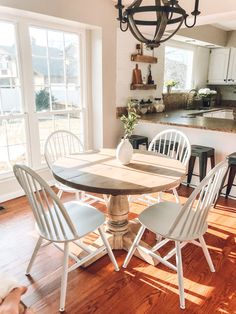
168	14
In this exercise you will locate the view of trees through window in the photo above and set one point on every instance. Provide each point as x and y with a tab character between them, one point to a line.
178	67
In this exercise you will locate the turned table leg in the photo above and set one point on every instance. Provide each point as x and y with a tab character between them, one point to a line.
117	223
122	230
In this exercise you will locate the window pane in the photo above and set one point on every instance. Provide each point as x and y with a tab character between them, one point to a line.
55	44
71	46
178	67
7	39
12	143
38	38
10	100
42	98
40	69
56	67
58	98
72	69
73	94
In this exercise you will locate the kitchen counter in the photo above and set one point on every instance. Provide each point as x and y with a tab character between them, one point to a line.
187	118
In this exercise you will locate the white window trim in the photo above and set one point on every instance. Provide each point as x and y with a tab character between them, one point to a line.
22	23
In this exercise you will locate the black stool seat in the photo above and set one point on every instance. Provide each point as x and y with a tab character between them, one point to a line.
232	159
137	140
203	153
198	150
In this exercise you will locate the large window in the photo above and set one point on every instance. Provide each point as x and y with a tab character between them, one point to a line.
50	98
178	67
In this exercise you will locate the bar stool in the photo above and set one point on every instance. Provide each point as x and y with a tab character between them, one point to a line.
137	140
232	173
203	153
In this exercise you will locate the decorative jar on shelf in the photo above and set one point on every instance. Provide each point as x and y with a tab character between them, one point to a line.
124	151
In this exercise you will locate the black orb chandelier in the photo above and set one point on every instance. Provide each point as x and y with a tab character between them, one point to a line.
165	12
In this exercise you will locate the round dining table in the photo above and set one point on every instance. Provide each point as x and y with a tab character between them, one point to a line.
100	172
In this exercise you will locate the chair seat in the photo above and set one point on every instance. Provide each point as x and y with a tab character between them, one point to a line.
160	217
85	218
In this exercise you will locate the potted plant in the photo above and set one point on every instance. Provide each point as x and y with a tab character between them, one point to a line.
206	94
169	84
124	150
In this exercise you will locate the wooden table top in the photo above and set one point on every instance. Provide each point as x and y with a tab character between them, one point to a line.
100	172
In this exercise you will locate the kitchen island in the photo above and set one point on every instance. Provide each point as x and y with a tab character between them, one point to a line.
207	131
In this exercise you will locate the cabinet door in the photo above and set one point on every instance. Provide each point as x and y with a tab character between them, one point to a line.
218	66
232	67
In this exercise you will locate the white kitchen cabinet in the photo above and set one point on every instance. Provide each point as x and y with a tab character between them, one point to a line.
222	66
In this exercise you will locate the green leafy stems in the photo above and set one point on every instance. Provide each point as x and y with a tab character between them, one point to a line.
130	120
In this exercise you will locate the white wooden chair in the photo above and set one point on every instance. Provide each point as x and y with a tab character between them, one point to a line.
62	143
61	223
174	144
181	224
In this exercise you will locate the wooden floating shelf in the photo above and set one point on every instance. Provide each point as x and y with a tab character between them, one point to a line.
143	86
142	58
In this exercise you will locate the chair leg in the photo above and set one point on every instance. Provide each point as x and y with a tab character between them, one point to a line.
37	247
180	274
202	166
77	195
190	169
109	250
176	195
207	254
158	237
232	173
59	194
64	277
134	246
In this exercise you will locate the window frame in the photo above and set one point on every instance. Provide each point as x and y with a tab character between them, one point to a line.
24	60
183	46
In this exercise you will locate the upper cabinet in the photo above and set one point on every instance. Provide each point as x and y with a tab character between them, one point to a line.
222	67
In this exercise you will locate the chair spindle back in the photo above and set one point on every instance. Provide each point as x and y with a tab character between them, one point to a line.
59	144
193	215
172	143
51	217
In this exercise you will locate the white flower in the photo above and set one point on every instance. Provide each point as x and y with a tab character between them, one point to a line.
206	92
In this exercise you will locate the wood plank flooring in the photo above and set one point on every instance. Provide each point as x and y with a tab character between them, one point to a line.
140	288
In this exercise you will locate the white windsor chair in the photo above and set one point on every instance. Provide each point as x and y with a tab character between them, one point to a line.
172	144
62	143
181	224
61	223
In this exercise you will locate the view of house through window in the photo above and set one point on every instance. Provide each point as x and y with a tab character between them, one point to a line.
178	67
55	84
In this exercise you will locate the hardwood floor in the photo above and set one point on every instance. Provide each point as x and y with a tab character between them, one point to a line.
141	288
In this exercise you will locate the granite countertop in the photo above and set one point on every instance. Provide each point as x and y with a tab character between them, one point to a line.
187	118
